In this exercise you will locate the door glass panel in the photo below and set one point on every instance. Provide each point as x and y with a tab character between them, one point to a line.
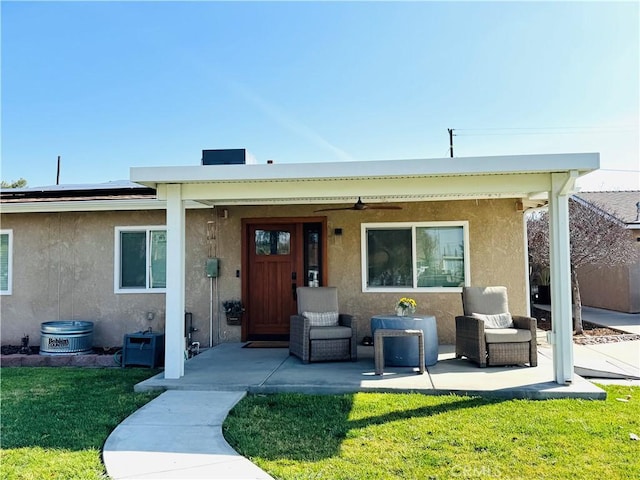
312	254
270	242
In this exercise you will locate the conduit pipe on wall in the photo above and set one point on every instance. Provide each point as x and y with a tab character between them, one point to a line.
212	236
217	297
210	312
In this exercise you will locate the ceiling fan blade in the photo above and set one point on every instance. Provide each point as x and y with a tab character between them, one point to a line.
383	207
360	205
333	209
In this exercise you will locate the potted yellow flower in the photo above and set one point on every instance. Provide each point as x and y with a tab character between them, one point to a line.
233	310
405	306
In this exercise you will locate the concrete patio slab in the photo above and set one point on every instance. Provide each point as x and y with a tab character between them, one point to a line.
453	375
226	367
343	377
274	370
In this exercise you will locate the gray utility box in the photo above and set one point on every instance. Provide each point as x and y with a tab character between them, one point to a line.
143	349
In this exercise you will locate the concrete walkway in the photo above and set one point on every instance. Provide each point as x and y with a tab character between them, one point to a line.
178	435
625	322
617	360
612	361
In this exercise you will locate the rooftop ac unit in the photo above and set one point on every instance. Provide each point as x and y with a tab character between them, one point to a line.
229	156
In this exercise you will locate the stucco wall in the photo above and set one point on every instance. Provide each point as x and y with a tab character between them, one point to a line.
64	267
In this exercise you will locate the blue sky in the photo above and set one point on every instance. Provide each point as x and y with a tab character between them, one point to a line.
110	85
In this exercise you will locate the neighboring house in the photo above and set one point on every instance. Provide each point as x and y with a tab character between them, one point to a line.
129	257
613	288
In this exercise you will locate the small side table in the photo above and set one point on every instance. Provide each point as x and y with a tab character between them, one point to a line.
403	352
378	343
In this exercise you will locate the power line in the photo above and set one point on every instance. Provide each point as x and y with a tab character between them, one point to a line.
524	133
510	131
585	127
537	133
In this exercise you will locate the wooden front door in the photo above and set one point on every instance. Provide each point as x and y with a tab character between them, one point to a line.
279	256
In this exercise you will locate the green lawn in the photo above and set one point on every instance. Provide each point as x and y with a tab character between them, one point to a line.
413	436
55	420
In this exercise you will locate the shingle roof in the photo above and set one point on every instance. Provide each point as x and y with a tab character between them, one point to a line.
624	205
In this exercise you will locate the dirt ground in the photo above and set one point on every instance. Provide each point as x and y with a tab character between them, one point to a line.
32	350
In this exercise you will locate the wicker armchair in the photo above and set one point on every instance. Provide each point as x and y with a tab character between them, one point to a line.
319	333
482	333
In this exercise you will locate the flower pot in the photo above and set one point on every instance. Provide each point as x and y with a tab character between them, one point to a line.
234	319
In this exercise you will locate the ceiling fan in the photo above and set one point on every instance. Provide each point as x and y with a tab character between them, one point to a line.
360	205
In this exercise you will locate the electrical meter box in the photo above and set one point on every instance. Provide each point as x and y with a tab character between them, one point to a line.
212	267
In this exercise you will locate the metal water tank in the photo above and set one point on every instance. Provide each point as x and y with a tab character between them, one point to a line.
67	337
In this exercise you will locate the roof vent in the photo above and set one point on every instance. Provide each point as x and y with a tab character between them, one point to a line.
230	156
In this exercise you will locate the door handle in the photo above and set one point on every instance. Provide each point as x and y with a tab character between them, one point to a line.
294	279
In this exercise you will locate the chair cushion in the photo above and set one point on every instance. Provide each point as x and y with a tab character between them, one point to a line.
329	333
487	300
499	320
322	319
507	335
317	299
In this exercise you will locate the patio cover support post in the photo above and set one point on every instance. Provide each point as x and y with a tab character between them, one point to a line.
559	257
174	306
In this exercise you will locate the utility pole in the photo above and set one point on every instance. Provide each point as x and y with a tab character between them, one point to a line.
450	130
58	174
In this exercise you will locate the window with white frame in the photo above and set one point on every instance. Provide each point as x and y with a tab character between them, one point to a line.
6	261
430	256
140	259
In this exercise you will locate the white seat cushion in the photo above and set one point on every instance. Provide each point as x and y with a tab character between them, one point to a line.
329	333
500	320
322	319
507	335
